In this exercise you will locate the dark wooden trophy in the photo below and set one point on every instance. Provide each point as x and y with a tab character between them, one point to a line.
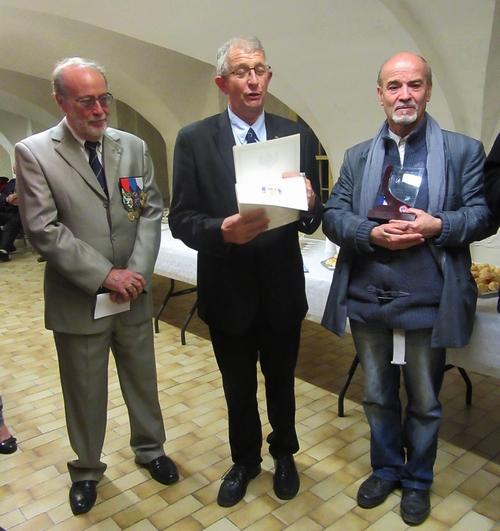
394	209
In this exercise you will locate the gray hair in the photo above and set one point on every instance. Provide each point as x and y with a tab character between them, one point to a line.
247	44
428	77
58	73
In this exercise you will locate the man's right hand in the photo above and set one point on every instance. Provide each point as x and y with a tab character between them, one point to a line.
242	228
124	285
395	236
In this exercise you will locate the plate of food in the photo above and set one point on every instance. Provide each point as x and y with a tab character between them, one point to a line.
329	263
487	277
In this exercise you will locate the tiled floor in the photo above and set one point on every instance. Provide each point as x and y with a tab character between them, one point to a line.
333	459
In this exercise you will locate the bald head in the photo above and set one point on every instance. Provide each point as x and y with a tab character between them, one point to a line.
404	89
405	56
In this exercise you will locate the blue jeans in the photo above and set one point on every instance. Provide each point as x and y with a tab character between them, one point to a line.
390	433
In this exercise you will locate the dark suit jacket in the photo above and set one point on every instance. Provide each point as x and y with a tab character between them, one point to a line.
492	178
235	282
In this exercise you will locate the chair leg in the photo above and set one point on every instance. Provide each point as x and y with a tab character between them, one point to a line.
163	304
350	374
466	379
186	322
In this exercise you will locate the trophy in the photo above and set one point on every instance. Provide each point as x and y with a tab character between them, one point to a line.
400	187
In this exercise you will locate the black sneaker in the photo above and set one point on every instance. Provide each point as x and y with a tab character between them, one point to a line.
4	255
415	506
374	491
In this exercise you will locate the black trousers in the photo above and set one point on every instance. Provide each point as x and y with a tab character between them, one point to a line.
12	225
237	357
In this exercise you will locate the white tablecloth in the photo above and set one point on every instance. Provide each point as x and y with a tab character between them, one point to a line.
482	355
175	260
318	277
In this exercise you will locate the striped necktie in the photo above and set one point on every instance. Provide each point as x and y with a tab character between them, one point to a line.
95	163
251	136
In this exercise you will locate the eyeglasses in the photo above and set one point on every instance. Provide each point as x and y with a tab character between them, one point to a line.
88	103
243	71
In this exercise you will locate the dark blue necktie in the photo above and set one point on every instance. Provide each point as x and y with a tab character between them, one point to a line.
251	136
95	163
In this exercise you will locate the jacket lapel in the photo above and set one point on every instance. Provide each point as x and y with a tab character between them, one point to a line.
112	151
224	141
272	128
70	150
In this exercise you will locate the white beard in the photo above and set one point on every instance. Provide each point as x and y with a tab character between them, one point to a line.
405	118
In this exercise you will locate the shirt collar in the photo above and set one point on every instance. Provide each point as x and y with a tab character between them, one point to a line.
240	128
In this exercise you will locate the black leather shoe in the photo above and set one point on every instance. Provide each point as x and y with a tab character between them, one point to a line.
415	506
163	470
374	491
234	484
286	481
9	446
82	496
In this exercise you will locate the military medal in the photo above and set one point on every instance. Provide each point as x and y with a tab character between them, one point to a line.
133	196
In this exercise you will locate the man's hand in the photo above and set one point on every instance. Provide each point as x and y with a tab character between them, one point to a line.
12	199
398	234
124	285
242	228
311	196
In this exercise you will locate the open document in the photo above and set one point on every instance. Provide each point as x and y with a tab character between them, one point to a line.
259	171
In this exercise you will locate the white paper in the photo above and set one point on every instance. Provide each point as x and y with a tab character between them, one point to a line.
104	306
259	171
281	199
412	179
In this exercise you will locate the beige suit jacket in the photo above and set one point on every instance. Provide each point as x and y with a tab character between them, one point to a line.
83	234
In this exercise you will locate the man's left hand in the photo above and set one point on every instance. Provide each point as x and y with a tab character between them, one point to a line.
424	224
124	285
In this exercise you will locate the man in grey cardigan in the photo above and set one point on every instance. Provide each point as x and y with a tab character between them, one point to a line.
405	284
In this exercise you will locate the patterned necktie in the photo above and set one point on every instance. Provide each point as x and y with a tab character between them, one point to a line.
95	163
251	136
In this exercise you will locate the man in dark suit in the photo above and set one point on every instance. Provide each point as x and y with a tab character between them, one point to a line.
251	288
90	206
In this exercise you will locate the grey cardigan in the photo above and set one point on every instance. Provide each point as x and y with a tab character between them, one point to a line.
464	212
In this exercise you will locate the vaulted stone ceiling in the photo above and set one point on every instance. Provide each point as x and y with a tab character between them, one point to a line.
325	56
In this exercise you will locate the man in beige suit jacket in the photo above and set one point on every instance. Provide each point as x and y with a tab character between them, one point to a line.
96	239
